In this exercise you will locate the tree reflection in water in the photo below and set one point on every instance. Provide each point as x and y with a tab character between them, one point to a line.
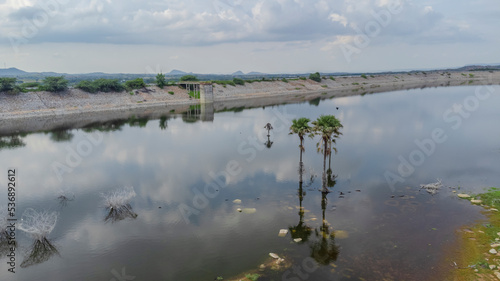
268	143
11	142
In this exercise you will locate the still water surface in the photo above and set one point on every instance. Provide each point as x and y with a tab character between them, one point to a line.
183	224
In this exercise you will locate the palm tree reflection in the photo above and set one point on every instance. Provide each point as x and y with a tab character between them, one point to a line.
324	250
268	143
301	230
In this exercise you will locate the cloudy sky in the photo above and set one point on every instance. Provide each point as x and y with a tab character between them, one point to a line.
223	36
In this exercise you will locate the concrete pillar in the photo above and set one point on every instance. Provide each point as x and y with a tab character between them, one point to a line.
206	93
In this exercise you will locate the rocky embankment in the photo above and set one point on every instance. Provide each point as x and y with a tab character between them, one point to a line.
80	104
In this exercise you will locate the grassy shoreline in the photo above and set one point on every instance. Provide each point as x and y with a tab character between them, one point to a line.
476	255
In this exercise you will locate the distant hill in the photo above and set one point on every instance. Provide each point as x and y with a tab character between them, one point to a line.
177	72
479	67
256	73
239	72
12	72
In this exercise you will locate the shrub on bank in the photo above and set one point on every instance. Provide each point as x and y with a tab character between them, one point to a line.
238	81
315	77
188	78
135	84
160	80
54	84
224	82
100	85
8	85
30	85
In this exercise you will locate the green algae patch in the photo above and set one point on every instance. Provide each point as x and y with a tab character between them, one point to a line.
476	256
271	266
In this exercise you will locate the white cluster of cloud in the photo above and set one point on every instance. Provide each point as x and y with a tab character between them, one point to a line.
315	24
197	22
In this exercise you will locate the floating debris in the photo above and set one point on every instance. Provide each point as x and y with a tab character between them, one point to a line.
297	240
274	256
239	210
283	232
476	201
432	188
249	210
462	195
341	234
237	201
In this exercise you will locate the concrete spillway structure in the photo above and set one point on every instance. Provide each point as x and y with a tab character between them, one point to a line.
206	93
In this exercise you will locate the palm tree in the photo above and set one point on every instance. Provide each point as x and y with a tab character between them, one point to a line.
268	127
300	127
327	127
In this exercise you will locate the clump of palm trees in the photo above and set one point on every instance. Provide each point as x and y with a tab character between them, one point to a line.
327	127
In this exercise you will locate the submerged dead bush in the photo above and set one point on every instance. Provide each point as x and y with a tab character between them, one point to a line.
117	204
38	225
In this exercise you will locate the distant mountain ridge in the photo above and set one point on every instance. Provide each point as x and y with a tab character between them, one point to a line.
15	72
11	71
177	72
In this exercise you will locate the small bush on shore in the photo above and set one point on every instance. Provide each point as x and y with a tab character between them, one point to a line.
54	84
224	82
135	84
364	76
189	78
160	80
170	92
239	81
100	85
30	85
315	77
8	85
86	86
284	80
